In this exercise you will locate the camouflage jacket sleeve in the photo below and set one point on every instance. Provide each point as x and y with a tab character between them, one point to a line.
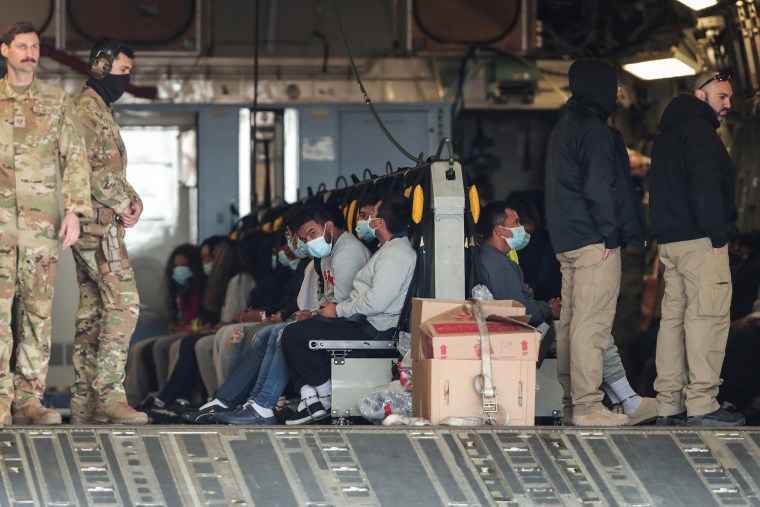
75	171
131	192
105	154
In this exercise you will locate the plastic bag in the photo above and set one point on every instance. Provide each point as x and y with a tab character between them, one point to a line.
382	401
405	365
482	293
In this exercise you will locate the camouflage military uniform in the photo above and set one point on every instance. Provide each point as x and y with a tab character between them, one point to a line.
108	299
36	134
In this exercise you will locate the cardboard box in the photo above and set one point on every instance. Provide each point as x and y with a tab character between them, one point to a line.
454	335
447	388
423	309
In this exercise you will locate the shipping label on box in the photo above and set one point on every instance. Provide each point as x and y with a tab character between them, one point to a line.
423	309
454	334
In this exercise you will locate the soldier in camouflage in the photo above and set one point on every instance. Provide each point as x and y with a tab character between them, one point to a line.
108	299
37	133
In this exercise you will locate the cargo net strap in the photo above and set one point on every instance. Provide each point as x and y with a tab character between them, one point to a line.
484	381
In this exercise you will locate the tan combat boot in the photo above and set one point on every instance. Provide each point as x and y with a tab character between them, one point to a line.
602	417
118	413
81	410
34	413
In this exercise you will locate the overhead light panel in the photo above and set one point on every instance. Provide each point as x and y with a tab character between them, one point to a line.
698	5
661	65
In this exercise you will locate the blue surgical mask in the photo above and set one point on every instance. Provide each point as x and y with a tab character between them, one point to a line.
207	267
519	239
300	250
319	247
181	274
372	230
283	259
364	231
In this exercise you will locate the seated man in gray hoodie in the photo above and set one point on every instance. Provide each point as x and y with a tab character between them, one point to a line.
501	231
374	306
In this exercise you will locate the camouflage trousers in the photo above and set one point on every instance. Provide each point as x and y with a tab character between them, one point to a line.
108	309
28	263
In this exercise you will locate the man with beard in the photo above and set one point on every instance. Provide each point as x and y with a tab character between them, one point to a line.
692	192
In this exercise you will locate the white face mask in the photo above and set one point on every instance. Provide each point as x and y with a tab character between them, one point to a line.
519	239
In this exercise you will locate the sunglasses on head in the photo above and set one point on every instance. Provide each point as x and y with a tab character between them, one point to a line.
720	77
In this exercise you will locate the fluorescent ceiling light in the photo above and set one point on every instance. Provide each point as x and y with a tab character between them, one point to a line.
660	69
698	5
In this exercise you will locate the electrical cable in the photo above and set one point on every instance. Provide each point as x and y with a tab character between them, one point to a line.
365	95
49	18
133	42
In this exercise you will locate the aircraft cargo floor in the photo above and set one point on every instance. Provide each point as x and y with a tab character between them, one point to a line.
364	465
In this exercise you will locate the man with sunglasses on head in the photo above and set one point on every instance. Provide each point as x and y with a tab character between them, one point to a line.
692	191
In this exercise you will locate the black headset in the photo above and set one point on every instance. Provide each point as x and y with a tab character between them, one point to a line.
102	60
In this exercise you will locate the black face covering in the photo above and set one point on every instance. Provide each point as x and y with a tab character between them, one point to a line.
594	82
111	87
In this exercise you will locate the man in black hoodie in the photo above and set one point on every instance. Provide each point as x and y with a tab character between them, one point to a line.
592	211
692	190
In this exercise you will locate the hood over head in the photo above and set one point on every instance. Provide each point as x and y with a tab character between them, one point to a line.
685	107
594	82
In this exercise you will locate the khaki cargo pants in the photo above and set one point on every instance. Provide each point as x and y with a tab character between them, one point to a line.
691	342
590	289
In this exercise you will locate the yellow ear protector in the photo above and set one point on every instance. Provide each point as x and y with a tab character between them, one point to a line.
102	60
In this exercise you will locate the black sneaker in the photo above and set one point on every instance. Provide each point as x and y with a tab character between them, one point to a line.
671	420
719	417
311	413
179	406
205	415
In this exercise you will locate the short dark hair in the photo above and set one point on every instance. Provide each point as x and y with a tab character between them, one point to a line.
16	28
117	46
289	216
368	199
491	215
309	214
336	215
395	210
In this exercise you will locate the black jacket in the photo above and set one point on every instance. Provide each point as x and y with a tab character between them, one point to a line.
590	197
692	179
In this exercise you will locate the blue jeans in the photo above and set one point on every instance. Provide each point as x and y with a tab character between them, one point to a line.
239	348
273	374
235	389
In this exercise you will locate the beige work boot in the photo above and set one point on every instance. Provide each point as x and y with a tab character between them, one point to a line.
81	410
118	413
646	412
34	413
602	417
